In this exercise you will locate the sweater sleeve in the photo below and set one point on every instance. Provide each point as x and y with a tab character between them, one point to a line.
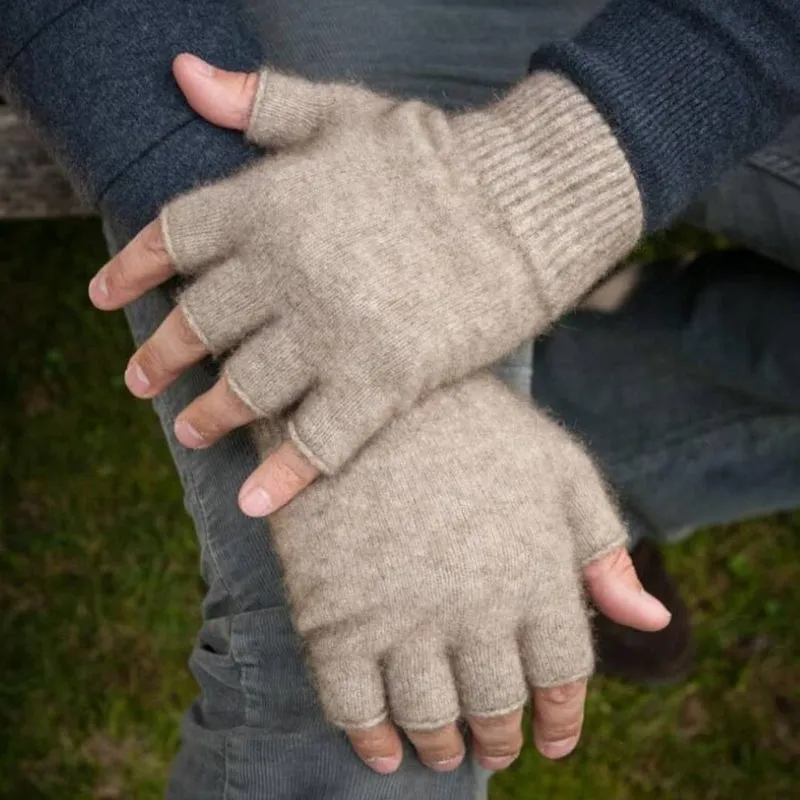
94	79
690	87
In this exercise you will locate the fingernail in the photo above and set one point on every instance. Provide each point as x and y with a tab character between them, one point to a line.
136	380
188	435
447	764
99	285
203	67
560	748
384	764
654	604
256	503
498	762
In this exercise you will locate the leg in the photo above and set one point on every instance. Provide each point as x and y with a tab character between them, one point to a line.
758	203
689	392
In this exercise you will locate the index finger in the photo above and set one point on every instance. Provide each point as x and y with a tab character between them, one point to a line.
141	265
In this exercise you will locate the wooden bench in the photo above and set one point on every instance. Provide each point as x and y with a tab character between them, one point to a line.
31	186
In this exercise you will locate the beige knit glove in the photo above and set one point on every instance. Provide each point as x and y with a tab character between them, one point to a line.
438	574
390	247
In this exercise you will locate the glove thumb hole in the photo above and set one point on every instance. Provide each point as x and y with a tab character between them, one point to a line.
288	110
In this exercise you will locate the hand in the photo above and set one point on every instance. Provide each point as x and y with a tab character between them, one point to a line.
610	579
385	249
438	576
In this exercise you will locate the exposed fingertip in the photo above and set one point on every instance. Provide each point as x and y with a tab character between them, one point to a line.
383	765
559	749
446	764
189	436
654	609
496	763
136	380
255	502
98	290
194	63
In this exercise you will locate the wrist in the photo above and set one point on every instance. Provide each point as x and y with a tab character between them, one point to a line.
548	161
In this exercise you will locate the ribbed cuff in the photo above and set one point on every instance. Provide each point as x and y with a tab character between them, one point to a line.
550	163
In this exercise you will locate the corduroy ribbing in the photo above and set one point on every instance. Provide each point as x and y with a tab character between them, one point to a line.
553	167
691	86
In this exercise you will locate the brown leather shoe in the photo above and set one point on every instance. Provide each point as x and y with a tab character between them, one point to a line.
665	656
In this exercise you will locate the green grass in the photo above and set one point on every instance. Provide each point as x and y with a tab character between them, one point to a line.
99	596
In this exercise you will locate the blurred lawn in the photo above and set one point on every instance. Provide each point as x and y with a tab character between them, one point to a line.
99	595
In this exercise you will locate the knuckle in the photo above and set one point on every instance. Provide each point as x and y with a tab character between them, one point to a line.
185	336
234	401
152	242
616	566
566	694
494	728
437	753
491	724
372	743
442	744
508	746
150	359
508	751
292	466
617	562
498	737
286	475
205	420
558	733
217	412
119	274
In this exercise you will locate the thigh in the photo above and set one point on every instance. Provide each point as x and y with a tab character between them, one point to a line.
451	52
758	202
689	393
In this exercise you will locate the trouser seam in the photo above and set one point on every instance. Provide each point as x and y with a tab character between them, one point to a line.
225	763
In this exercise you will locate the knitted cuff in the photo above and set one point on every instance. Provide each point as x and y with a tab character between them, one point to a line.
552	166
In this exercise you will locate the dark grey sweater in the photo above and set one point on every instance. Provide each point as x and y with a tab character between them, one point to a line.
690	86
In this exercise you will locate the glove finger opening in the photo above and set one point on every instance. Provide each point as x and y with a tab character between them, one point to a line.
491	681
350	688
336	420
225	305
420	685
201	228
288	109
267	372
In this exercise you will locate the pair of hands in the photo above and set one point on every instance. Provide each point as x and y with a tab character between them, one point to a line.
291	466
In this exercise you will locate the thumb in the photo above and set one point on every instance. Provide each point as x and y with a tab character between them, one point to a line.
222	97
615	589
